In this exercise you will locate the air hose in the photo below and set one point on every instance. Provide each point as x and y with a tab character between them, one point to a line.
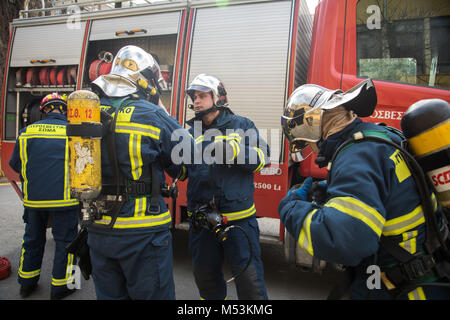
250	246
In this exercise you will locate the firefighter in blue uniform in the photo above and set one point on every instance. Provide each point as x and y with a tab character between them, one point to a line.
371	198
133	259
224	177
41	156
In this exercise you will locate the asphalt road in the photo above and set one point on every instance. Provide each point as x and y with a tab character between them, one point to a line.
283	281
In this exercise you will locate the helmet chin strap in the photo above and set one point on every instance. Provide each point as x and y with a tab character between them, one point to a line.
201	114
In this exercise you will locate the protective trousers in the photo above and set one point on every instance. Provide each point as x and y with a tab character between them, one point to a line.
64	230
138	267
208	257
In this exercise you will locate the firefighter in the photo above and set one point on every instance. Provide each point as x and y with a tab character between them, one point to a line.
231	151
373	216
133	258
41	158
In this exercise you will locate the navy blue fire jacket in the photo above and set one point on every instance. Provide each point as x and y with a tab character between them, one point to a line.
371	193
143	137
41	157
231	185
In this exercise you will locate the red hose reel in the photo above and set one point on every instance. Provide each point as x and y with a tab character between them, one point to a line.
101	66
46	76
5	268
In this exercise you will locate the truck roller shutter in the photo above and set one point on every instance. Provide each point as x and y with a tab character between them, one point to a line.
246	46
49	42
135	26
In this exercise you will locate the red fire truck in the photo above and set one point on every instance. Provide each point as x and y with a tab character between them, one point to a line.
261	50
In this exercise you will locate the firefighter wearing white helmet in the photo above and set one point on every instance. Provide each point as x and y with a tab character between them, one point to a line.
130	245
372	208
224	188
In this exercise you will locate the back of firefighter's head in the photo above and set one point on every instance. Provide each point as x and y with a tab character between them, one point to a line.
213	86
302	119
54	102
133	71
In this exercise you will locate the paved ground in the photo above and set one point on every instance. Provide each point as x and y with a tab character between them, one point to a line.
284	282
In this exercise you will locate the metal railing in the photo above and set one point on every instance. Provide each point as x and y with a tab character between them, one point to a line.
90	6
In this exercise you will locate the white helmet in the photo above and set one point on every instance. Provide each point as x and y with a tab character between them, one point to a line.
133	69
302	116
208	83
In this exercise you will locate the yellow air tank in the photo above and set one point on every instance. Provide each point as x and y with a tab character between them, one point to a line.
85	132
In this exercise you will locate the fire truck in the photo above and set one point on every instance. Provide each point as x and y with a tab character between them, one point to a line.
260	49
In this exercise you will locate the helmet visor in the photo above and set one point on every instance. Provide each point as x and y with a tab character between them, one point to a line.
302	125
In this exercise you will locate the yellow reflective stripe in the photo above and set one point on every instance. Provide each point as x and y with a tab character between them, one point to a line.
261	159
434	201
360	211
417	294
50	203
431	140
409	241
24	161
66	171
220	138
69	270
140	206
26	274
137	222
199	139
304	239
42	136
137	128
29	274
235	147
404	223
232	136
134	149
235	136
240	214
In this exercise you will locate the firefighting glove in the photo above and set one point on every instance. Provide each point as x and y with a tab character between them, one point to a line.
304	190
319	192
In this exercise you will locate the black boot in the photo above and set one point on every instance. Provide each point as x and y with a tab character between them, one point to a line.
61	295
25	291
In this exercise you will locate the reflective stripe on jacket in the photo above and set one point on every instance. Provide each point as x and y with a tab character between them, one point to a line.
41	157
143	139
371	193
231	185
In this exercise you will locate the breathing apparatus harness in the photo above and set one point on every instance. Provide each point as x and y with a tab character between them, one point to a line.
121	188
116	191
407	275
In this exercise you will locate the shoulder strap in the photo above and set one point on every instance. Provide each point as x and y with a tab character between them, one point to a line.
358	137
